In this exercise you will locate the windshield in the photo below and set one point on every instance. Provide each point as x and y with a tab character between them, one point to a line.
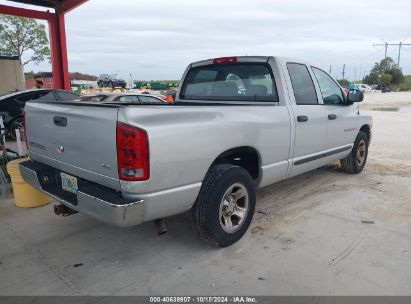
230	82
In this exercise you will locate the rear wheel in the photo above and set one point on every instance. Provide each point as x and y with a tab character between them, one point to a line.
354	163
225	205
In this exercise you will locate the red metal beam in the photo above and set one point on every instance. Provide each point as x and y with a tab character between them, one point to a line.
59	52
22	12
69	5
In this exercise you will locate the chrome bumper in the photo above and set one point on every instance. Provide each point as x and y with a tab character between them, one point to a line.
94	200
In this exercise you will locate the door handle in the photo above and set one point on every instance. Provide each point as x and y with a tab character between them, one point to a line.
60	121
302	118
332	116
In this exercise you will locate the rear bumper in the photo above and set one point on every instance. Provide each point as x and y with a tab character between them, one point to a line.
102	203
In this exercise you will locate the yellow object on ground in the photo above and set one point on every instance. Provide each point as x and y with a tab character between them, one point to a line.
25	196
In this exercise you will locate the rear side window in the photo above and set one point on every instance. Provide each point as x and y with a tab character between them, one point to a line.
230	82
303	86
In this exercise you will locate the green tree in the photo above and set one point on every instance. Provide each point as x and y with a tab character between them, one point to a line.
385	67
29	75
397	76
23	36
372	78
386	79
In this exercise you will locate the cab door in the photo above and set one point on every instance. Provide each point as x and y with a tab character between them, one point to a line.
342	118
310	119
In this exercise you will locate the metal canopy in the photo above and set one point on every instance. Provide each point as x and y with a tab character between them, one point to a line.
60	5
45	3
57	32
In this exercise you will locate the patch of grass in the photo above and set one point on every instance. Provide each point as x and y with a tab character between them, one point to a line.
406	84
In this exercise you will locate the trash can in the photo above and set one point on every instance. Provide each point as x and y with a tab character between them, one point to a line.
25	195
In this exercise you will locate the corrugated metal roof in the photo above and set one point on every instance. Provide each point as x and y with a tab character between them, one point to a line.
45	3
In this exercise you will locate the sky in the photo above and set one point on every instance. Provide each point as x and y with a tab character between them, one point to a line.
154	40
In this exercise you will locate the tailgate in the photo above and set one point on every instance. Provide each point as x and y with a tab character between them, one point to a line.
77	138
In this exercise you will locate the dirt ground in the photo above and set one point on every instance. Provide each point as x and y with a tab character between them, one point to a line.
322	233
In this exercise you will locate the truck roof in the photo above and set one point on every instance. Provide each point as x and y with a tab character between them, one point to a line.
248	59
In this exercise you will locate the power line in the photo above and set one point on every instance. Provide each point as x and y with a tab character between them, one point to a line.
386	44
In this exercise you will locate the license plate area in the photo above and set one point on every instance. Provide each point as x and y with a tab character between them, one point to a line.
69	183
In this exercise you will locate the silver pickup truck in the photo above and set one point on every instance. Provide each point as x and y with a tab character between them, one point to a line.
237	124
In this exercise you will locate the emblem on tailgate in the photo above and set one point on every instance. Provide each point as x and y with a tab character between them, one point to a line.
60	149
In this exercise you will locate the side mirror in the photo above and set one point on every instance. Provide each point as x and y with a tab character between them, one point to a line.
355	95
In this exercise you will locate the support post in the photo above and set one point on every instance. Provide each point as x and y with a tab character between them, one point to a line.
59	51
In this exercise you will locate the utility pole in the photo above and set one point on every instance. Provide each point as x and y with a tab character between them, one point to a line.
386	47
355	74
386	44
343	72
329	71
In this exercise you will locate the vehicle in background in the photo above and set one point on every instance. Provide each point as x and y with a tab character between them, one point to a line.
121	97
382	88
154	93
12	105
365	88
237	124
110	81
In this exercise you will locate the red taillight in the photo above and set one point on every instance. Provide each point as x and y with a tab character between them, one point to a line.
25	130
132	153
225	60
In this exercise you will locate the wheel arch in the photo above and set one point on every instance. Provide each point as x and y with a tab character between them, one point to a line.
367	130
246	157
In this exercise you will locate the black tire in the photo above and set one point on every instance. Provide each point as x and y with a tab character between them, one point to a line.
100	84
16	124
351	163
205	213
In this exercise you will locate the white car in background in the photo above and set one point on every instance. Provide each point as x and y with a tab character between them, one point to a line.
365	88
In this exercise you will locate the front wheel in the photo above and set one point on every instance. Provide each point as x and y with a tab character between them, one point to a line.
354	163
225	205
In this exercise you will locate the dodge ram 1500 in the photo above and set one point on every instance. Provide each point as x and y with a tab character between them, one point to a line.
237	124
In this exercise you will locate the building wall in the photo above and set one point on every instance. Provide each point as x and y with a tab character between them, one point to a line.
11	74
47	82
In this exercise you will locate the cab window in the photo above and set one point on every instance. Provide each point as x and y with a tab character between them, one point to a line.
230	82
